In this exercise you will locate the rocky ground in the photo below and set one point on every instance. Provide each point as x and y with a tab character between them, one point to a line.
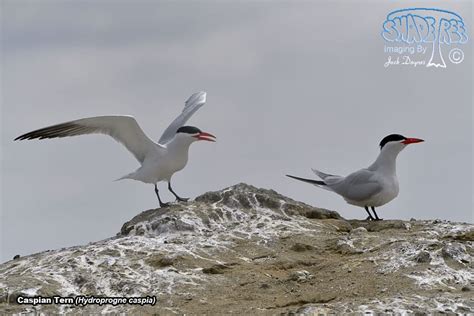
254	251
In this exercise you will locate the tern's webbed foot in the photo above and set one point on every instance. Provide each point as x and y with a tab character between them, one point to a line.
162	204
178	198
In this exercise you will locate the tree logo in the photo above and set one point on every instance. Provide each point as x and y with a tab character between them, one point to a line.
414	32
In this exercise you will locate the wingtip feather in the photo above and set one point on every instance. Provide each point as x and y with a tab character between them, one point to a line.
197	97
315	182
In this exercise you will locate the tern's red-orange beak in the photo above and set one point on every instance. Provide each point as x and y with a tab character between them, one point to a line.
412	141
206	136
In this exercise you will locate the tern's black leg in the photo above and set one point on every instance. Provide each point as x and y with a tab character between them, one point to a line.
176	195
376	217
162	204
368	212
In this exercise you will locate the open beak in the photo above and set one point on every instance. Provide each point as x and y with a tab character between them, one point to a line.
412	141
206	136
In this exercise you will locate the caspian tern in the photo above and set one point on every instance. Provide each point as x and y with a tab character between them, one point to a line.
159	161
371	187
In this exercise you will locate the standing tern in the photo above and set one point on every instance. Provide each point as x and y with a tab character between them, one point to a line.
371	187
159	161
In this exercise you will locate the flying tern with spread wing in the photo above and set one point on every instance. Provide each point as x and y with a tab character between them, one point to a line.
371	187
159	161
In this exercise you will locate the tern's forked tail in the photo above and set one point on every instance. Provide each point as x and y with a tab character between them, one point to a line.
127	176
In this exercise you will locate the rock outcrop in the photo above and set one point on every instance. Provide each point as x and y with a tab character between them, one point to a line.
246	250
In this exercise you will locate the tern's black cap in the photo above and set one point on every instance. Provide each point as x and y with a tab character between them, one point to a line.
188	130
391	138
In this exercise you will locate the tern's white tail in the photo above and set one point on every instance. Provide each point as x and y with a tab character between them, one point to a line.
128	176
322	175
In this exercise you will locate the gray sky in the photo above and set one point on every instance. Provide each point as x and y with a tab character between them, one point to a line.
291	85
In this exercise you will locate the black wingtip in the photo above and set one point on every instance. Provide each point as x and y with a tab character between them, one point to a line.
22	137
316	182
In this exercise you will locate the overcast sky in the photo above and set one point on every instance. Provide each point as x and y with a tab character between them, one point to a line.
291	86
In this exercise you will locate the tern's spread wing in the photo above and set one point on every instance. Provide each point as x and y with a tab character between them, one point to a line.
358	186
123	129
191	105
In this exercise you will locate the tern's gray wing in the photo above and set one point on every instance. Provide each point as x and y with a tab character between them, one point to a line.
191	105
123	129
357	186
